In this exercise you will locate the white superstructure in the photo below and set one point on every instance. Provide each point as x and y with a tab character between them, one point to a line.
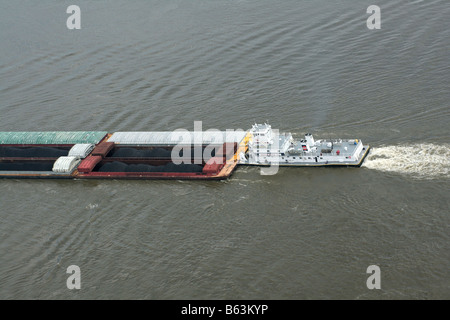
267	146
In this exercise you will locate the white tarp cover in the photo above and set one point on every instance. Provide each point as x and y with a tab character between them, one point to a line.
177	137
65	164
81	150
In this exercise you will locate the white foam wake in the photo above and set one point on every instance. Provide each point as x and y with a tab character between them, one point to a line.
420	160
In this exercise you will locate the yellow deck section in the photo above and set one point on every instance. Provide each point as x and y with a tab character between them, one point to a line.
109	135
232	162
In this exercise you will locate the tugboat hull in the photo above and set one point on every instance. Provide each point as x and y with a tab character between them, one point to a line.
267	148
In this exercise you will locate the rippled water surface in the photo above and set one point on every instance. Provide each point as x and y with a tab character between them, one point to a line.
303	66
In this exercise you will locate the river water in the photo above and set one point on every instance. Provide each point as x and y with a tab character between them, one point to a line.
302	66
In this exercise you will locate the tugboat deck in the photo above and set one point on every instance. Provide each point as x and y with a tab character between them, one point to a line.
267	147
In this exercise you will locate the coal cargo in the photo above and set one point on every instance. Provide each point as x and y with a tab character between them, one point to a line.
172	167
117	166
33	152
140	153
26	166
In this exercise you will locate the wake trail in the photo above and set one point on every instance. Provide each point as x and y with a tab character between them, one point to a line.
422	160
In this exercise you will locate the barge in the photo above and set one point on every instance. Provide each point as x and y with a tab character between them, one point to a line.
121	155
53	154
179	154
162	155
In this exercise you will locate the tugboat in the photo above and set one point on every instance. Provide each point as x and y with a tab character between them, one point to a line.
268	147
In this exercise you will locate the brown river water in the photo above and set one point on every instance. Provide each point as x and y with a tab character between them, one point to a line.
302	66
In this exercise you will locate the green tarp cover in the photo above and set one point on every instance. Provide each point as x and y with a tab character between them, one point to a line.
52	137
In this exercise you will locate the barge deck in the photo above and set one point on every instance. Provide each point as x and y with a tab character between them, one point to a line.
122	155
